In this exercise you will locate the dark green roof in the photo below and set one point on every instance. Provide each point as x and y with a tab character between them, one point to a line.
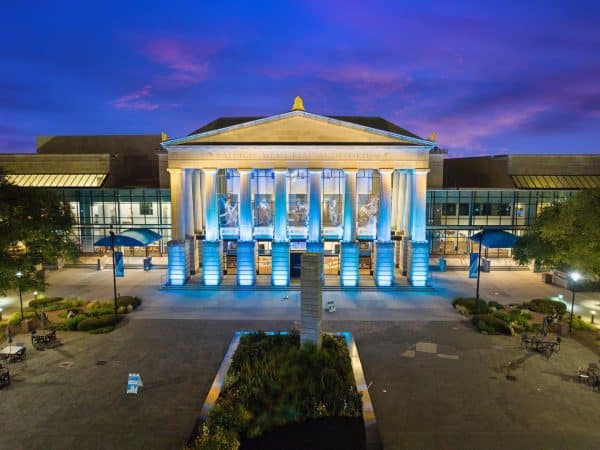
377	123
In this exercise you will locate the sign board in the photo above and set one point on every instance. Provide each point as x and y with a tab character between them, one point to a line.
473	257
134	382
119	265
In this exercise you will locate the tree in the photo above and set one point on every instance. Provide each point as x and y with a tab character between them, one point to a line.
566	235
35	229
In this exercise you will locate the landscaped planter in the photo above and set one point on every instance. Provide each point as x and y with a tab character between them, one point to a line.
270	393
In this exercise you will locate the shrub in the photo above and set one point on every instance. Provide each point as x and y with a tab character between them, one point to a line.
16	317
494	304
546	306
580	324
469	303
491	324
69	324
40	302
93	323
216	439
101	311
126	300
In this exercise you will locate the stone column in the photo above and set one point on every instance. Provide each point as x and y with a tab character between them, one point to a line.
384	247
178	252
314	243
246	267
212	251
395	192
197	192
419	247
280	247
85	222
350	252
177	219
190	227
405	218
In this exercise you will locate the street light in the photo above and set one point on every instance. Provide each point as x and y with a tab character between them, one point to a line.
19	275
575	276
112	245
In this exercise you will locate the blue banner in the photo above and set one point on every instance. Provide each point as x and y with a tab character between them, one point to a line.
473	265
119	266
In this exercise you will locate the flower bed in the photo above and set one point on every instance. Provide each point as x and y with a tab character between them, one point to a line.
272	384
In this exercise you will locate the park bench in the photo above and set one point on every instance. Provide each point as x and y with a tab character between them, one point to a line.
537	343
40	341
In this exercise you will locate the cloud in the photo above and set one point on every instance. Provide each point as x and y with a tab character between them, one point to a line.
134	100
186	60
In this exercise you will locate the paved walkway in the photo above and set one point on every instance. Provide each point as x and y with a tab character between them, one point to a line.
74	396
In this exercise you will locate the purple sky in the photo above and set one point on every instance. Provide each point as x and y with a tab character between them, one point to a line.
488	77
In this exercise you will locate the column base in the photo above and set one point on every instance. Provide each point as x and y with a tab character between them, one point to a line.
178	253
349	264
418	257
246	267
212	262
280	263
384	264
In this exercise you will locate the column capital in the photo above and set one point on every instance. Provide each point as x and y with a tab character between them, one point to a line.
280	170
386	171
421	171
174	170
350	170
209	170
241	171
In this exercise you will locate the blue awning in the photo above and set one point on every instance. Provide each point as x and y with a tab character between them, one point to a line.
495	238
135	237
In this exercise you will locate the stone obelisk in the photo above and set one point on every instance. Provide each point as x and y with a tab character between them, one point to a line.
311	298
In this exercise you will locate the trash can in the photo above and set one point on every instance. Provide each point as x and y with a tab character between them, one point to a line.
442	264
547	278
485	265
148	263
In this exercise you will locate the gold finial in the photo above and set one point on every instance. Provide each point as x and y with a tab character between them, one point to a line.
298	104
432	136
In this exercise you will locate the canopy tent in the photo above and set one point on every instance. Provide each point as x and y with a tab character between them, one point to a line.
491	239
135	237
495	239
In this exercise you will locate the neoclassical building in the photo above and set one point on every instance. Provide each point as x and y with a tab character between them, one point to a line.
249	195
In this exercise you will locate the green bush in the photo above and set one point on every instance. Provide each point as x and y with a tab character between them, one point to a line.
41	302
69	324
126	300
469	303
93	323
101	311
494	304
546	306
491	324
15	319
580	324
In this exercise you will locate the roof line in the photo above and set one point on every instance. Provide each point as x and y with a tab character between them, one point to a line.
291	114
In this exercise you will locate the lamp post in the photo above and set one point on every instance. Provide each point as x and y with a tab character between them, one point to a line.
114	270
478	272
19	275
575	276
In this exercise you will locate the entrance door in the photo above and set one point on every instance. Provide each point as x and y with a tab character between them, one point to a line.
295	264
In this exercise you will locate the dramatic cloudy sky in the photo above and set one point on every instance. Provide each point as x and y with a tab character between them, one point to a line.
488	77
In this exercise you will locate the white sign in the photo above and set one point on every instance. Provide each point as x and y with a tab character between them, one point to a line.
134	382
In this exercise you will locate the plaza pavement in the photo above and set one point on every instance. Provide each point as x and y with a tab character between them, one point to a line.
435	382
434	385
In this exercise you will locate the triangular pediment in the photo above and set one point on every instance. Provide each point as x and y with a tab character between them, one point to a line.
297	127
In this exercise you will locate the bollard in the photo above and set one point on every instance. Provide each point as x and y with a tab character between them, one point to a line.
592	312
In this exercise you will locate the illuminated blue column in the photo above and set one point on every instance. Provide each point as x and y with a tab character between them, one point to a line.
384	247
349	251
212	252
188	211
246	269
406	181
280	247
177	249
418	274
314	243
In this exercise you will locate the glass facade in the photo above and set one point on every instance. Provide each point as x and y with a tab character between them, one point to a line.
95	210
453	216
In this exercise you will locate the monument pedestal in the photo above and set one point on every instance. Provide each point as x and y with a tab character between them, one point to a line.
384	264
418	266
